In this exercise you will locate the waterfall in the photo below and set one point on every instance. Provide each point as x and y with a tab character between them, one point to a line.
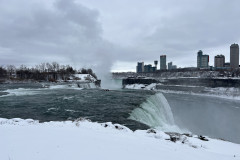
155	113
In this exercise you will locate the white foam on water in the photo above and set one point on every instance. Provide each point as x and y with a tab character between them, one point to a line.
31	91
156	113
52	109
70	110
86	85
58	87
21	92
75	86
68	98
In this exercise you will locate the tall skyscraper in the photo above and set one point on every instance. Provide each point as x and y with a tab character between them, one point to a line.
202	60
149	68
169	65
219	61
234	56
163	61
156	63
140	67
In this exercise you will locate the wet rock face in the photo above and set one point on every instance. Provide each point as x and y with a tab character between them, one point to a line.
151	131
202	138
184	138
115	126
173	136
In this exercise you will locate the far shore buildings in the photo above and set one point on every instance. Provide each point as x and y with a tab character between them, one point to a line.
163	61
141	68
202	60
171	66
219	61
234	56
149	68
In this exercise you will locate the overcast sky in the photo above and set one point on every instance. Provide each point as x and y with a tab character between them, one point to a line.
116	34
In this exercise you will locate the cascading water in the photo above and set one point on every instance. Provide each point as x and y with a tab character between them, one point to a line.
74	86
156	113
86	85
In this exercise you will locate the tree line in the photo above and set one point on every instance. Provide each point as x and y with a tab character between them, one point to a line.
42	72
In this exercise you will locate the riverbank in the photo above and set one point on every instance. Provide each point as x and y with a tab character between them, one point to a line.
78	79
187	81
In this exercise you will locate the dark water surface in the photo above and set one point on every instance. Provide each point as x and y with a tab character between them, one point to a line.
60	102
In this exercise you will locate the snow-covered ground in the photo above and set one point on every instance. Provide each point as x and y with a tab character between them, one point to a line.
141	86
30	140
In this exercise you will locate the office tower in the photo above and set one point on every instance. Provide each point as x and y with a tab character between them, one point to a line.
156	63
234	56
227	64
140	67
219	61
163	60
202	60
169	65
174	66
149	68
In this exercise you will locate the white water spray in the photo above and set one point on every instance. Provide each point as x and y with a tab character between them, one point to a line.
107	82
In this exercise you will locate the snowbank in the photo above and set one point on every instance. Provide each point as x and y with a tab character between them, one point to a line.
141	86
28	139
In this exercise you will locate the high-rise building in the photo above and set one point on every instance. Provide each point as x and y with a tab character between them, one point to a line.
202	60
140	67
219	61
163	61
149	68
156	63
169	65
234	56
174	66
227	64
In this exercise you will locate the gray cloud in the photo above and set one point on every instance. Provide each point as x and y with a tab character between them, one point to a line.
176	28
64	31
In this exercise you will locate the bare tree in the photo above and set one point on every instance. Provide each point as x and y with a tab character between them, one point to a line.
44	71
11	69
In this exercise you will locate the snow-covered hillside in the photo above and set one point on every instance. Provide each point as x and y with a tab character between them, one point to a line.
30	140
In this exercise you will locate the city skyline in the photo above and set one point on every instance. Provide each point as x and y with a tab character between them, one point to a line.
202	61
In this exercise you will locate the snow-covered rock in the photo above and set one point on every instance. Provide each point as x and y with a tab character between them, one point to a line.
141	86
